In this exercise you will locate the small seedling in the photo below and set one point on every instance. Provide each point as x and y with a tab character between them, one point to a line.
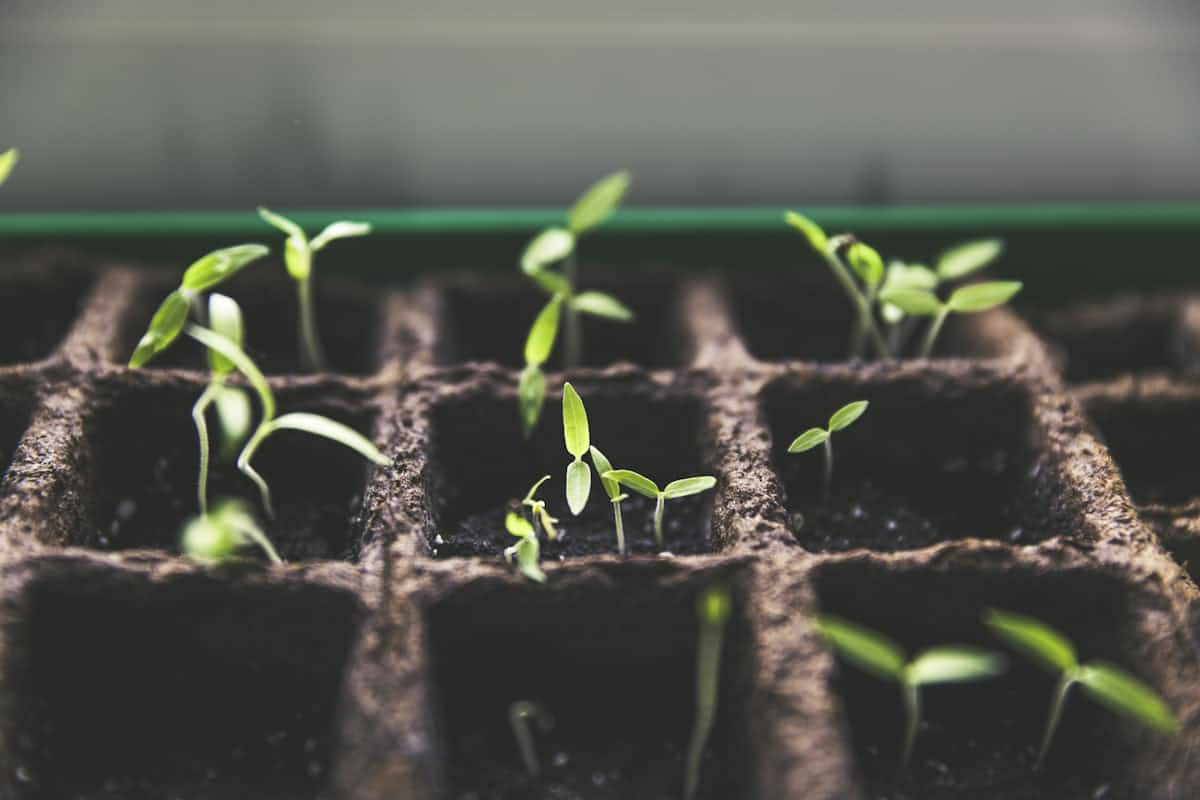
883	658
615	495
214	537
674	490
712	610
8	160
575	432
538	512
519	715
1111	686
531	387
298	254
843	418
970	299
527	552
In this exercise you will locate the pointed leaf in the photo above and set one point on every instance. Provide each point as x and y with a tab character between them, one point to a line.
602	465
955	665
845	416
540	342
808	440
811	230
8	160
220	265
518	525
982	296
1033	638
333	430
633	480
225	318
164	328
918	302
531	395
1125	694
579	486
548	247
967	258
599	304
598	202
339	230
279	221
575	422
861	646
688	486
866	263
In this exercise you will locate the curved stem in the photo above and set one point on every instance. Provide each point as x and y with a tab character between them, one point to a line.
198	410
573	347
616	504
312	358
1056	708
658	519
243	465
828	490
254	534
931	335
912	710
861	305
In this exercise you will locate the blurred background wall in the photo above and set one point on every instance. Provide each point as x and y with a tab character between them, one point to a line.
226	103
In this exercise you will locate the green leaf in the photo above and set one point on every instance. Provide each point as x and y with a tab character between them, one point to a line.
518	525
579	486
575	422
224	318
215	341
333	430
528	553
279	221
599	304
954	665
967	258
909	276
531	395
602	465
297	257
866	263
633	480
812	231
861	646
918	302
982	296
598	202
339	230
551	282
164	328
220	265
541	336
210	539
532	493
714	605
1125	694
845	416
808	440
688	486
1033	638
234	414
548	247
8	160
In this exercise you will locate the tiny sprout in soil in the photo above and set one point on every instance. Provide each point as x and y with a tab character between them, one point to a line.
615	495
537	510
883	658
549	247
216	536
844	417
684	487
712	611
527	552
575	432
520	713
298	254
8	160
1111	686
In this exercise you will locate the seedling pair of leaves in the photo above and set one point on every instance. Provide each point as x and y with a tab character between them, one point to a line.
527	551
550	247
841	419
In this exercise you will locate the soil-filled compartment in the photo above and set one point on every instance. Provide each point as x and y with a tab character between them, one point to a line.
979	740
482	465
15	407
612	662
483	319
39	300
938	455
144	466
195	688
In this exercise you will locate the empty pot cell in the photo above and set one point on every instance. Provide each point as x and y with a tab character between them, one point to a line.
980	740
348	323
145	463
614	664
482	466
489	320
935	457
14	419
805	316
37	306
188	688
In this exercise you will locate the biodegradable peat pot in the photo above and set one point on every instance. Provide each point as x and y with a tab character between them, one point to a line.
381	660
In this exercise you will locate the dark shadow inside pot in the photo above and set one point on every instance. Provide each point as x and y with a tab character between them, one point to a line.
37	309
15	406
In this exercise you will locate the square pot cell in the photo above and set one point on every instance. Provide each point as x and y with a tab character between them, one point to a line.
348	323
37	307
614	664
979	740
802	315
481	466
144	465
932	459
489	320
14	419
188	688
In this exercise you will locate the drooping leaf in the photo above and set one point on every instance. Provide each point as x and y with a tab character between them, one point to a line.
967	258
343	229
714	605
598	202
599	304
579	486
1033	638
918	302
531	395
866	263
219	265
164	328
845	416
540	342
602	465
282	223
861	646
225	318
234	414
955	665
528	554
532	493
244	364
518	525
575	422
333	430
811	230
982	296
633	480
8	160
808	440
1125	694
548	247
688	486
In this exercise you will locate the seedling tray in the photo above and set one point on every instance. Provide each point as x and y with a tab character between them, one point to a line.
1038	465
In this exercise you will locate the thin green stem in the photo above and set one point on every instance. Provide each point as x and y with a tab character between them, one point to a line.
198	411
912	710
1056	708
861	305
573	346
658	519
858	336
931	335
616	504
708	669
254	534
312	357
519	714
828	486
243	465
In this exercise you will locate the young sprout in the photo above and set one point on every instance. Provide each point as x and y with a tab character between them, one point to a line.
215	536
844	417
537	510
519	715
1109	685
527	552
575	432
531	387
298	253
683	487
712	610
8	160
883	658
613	490
969	299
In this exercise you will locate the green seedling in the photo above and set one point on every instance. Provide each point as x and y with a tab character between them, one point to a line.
615	495
531	387
8	160
538	512
876	654
1109	685
575	433
520	713
684	487
216	536
526	552
712	611
843	418
970	299
298	254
